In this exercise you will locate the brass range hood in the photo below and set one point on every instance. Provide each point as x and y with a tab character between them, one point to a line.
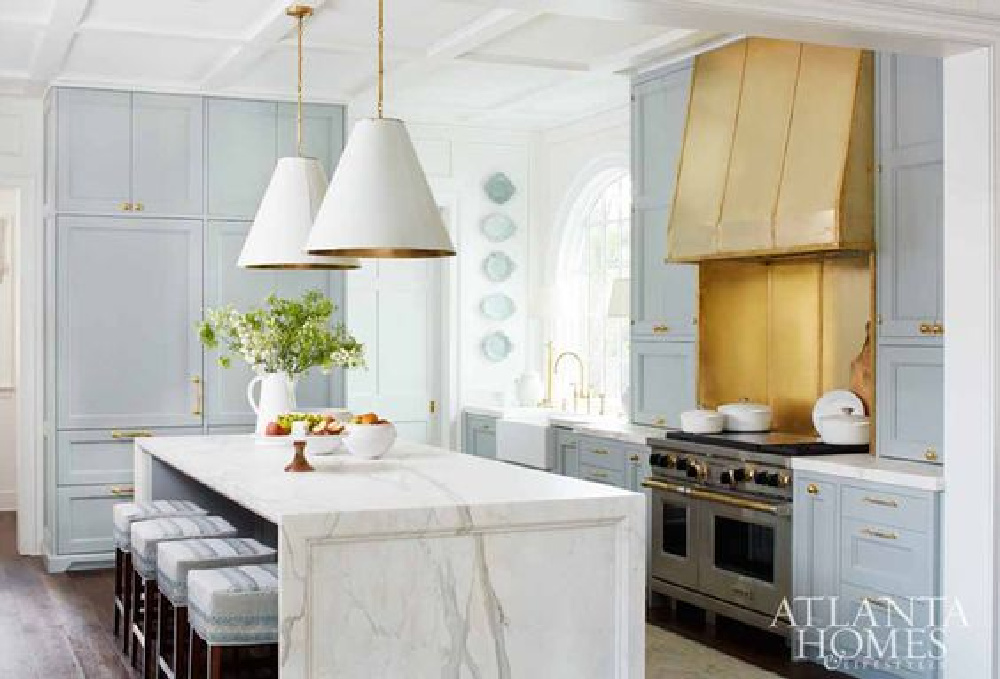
778	154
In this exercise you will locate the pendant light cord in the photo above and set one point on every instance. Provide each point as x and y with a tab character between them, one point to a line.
381	56
298	111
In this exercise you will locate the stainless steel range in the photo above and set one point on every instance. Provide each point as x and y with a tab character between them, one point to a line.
722	519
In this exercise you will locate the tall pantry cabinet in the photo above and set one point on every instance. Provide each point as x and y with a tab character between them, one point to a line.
147	200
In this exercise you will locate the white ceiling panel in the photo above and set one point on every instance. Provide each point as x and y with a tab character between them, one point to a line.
227	18
17	47
35	11
326	75
470	85
565	102
138	58
568	39
408	23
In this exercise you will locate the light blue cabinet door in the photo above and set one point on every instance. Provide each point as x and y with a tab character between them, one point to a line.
663	381
167	154
85	524
568	452
228	284
242	151
909	384
322	133
659	111
815	542
480	435
911	198
128	298
94	150
663	295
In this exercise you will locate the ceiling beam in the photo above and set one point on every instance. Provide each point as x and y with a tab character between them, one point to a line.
58	38
270	31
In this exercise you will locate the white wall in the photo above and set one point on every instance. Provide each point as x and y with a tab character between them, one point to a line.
565	159
8	411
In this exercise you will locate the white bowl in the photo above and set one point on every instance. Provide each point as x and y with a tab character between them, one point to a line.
370	441
702	421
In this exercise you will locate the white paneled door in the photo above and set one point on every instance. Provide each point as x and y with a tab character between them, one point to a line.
394	307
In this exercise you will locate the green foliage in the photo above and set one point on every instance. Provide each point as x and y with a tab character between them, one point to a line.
289	335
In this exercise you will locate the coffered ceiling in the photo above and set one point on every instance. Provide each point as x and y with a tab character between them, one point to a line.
474	62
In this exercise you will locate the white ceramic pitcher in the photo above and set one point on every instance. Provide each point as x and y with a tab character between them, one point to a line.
277	396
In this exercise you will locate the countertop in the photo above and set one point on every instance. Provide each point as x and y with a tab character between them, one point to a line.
410	477
875	469
589	425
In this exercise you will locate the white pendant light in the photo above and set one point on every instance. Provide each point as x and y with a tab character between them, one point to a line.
379	203
278	236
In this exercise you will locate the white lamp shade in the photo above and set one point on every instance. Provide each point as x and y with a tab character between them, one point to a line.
618	304
379	203
278	236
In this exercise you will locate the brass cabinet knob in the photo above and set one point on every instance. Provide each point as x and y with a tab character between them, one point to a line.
139	207
930	454
634	458
939	328
660	421
126	207
812	489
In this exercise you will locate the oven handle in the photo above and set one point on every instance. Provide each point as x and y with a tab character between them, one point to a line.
721	498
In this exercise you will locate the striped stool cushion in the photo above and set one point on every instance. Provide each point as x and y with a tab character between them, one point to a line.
233	606
175	559
125	513
147	535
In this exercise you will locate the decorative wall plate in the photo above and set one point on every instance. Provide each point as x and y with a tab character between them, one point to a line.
497	307
496	346
498	267
499	188
497	227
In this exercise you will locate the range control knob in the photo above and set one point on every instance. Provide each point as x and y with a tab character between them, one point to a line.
760	478
655	459
682	464
693	470
726	478
740	475
784	480
670	461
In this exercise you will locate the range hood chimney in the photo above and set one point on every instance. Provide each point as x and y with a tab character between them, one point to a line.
778	153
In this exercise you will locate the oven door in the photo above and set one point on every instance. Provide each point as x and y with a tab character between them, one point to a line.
745	550
674	539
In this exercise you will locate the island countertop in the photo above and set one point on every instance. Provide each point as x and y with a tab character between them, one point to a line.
427	559
410	476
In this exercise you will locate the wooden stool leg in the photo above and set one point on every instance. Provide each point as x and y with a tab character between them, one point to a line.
119	610
138	610
182	635
127	603
215	662
163	650
149	630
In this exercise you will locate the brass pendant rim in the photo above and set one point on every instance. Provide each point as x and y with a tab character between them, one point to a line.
304	267
385	253
299	11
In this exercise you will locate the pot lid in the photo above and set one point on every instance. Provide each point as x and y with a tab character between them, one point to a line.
745	407
845	416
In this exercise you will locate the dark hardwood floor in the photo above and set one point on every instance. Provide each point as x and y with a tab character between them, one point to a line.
59	626
749	644
54	626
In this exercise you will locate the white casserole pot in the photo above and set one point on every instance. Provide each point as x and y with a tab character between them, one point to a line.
747	417
845	429
702	421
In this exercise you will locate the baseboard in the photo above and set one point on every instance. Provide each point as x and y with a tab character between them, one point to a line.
8	501
57	563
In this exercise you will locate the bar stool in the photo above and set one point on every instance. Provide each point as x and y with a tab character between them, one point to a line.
174	561
234	621
124	515
146	537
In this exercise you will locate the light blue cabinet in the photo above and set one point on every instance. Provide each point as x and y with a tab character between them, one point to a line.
479	435
868	544
94	148
663	295
167	154
910	411
228	284
659	111
911	198
567	444
128	298
663	381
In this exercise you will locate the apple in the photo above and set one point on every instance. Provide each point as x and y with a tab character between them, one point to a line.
275	429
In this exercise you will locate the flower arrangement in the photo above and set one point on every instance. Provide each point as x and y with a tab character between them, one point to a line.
289	335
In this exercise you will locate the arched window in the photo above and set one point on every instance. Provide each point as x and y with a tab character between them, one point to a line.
594	253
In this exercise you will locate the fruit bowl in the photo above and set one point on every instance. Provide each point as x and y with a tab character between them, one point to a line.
370	441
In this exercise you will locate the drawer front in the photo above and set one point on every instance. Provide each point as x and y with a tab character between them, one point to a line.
85	524
601	453
603	475
884	624
888	507
887	559
86	458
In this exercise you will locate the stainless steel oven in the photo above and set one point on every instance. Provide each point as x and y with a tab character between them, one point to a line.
674	540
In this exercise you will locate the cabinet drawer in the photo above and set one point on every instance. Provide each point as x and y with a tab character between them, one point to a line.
85	458
609	477
887	559
598	453
888	508
85	524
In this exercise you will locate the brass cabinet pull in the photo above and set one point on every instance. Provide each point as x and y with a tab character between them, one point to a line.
881	502
126	207
199	395
139	207
599	451
930	454
812	489
634	458
120	434
926	329
661	329
597	475
881	534
660	421
122	491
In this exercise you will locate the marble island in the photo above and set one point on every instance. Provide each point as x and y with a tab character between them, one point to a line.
426	562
